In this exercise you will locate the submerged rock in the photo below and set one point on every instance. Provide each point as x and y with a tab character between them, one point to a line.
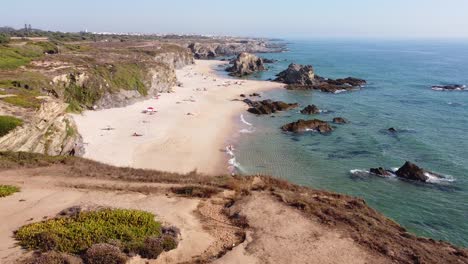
308	125
265	60
392	130
380	171
303	77
310	110
266	107
452	87
339	120
246	64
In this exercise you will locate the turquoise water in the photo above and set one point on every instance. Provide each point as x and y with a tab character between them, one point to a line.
434	127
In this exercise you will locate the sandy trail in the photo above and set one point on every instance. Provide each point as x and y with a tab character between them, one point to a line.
189	131
43	197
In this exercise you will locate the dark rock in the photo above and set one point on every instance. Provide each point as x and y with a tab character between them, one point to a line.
411	171
380	171
392	130
255	95
452	87
265	60
308	125
310	110
297	74
267	107
303	77
339	120
246	64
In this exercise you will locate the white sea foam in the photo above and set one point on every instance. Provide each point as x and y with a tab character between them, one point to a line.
340	91
246	131
438	179
243	120
359	171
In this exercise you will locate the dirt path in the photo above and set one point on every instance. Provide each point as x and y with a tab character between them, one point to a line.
289	237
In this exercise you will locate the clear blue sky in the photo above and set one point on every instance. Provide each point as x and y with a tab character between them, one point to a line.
285	18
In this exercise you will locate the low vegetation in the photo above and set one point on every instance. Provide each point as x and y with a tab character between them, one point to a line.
8	123
14	56
7	190
77	233
103	236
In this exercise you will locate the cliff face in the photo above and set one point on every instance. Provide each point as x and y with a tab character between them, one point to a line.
102	75
232	47
50	131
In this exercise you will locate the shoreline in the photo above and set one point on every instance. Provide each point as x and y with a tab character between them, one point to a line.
188	132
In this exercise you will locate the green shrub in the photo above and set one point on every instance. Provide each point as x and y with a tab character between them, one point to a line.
105	254
76	234
6	190
8	123
52	258
4	39
168	242
151	248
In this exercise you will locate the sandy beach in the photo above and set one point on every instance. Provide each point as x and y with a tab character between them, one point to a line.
188	132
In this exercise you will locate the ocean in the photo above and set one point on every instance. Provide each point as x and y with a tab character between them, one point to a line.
432	125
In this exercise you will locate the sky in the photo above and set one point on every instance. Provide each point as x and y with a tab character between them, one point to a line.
439	19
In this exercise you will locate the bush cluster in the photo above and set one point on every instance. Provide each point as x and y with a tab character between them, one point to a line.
8	123
78	233
6	190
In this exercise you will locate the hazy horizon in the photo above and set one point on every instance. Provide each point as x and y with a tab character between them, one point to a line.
430	19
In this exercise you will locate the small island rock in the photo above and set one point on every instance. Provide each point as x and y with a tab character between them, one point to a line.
308	125
310	110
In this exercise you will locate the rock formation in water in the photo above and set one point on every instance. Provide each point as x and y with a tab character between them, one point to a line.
310	110
339	120
380	171
303	77
297	74
411	171
452	87
308	125
246	64
266	107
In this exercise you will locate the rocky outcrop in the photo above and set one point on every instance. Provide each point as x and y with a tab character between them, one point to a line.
297	74
267	107
49	131
212	49
201	51
411	171
308	125
303	77
339	120
310	110
175	59
246	64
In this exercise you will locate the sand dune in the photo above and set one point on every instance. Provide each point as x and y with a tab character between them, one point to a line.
188	132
